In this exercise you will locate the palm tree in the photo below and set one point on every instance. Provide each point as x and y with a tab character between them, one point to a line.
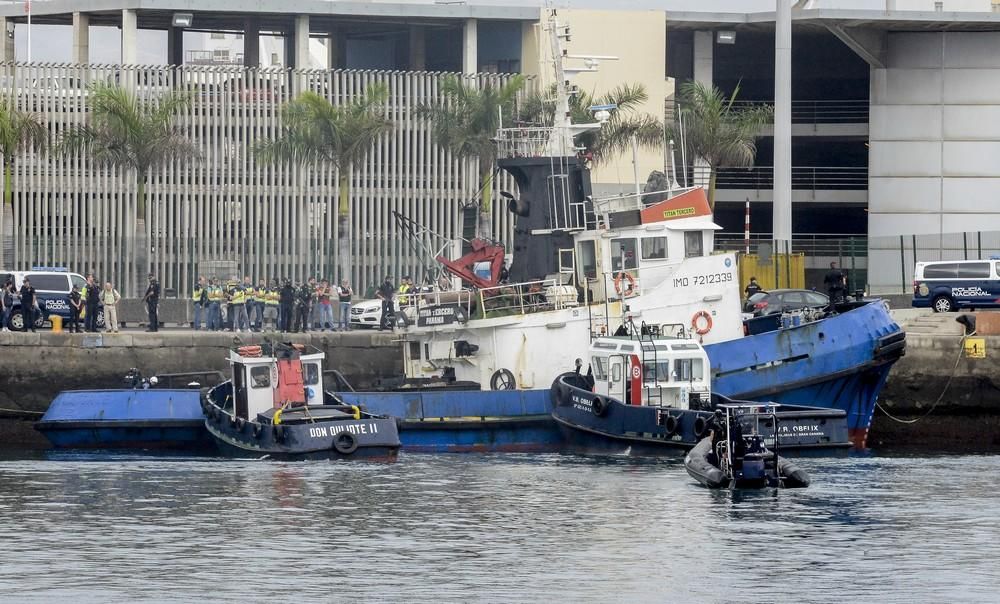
318	132
132	134
465	121
718	131
18	130
616	136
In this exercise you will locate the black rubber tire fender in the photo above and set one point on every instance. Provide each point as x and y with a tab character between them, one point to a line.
599	406
700	426
670	424
345	443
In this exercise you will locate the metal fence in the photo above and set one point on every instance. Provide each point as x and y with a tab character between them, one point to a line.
275	221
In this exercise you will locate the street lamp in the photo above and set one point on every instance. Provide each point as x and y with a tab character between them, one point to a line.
182	20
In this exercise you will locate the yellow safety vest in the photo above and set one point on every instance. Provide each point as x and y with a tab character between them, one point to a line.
402	293
196	294
271	297
214	294
249	293
239	297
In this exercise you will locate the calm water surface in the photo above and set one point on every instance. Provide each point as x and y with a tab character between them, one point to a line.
499	528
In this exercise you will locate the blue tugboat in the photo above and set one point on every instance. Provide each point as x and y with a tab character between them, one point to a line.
735	455
275	407
652	394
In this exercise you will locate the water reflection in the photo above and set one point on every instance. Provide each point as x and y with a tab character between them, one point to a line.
106	527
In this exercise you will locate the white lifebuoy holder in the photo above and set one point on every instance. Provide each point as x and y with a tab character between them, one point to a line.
701	322
629	290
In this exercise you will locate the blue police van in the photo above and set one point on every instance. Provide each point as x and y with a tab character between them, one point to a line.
52	287
949	285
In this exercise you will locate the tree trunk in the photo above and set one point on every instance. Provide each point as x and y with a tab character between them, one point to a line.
7	232
484	227
344	226
711	189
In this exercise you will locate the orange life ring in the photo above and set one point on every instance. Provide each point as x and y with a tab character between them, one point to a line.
629	289
701	314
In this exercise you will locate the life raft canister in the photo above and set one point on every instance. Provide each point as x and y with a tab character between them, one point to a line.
699	327
629	284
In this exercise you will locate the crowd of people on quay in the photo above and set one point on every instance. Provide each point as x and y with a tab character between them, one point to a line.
315	305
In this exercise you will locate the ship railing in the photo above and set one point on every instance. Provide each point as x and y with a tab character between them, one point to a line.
523	298
528	141
633	201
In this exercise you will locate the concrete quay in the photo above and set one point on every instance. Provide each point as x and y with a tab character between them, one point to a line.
34	367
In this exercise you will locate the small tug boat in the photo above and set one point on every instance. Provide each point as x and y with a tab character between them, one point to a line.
275	406
646	391
735	456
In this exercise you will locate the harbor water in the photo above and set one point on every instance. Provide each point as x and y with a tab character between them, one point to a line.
101	527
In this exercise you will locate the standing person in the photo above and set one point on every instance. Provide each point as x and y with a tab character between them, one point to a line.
93	300
752	288
7	296
834	282
384	293
110	299
314	319
325	306
260	301
344	294
214	306
286	300
272	302
27	305
238	307
199	296
75	308
152	300
304	303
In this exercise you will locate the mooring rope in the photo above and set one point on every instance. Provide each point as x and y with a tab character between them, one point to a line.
5	410
961	351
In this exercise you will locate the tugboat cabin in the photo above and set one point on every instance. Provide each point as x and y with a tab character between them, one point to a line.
271	377
653	371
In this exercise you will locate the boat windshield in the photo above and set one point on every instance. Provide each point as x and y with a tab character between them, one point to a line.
656	372
686	370
600	367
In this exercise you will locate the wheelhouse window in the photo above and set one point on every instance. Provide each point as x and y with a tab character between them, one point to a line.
587	257
260	377
623	254
600	367
656	372
310	373
686	370
654	248
693	244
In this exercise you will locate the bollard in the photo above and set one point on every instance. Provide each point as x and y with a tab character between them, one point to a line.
56	323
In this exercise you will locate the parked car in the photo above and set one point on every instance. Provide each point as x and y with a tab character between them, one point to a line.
366	313
52	288
778	300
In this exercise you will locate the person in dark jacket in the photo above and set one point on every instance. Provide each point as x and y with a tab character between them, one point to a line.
384	293
7	296
27	305
93	300
152	300
752	288
303	306
835	284
75	308
286	303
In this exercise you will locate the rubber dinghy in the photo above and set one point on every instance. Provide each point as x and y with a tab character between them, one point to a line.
734	455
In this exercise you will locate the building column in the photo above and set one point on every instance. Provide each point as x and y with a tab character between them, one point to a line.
333	54
418	48
299	58
782	208
130	34
175	46
7	48
703	46
470	46
81	38
251	42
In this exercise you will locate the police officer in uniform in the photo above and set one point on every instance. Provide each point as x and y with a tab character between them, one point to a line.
272	302
75	306
834	282
286	301
385	292
214	306
199	296
303	306
752	288
93	300
27	305
238	308
152	300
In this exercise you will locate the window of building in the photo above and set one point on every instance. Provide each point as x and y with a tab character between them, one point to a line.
693	244
654	248
50	283
218	35
220	55
260	376
274	59
623	254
